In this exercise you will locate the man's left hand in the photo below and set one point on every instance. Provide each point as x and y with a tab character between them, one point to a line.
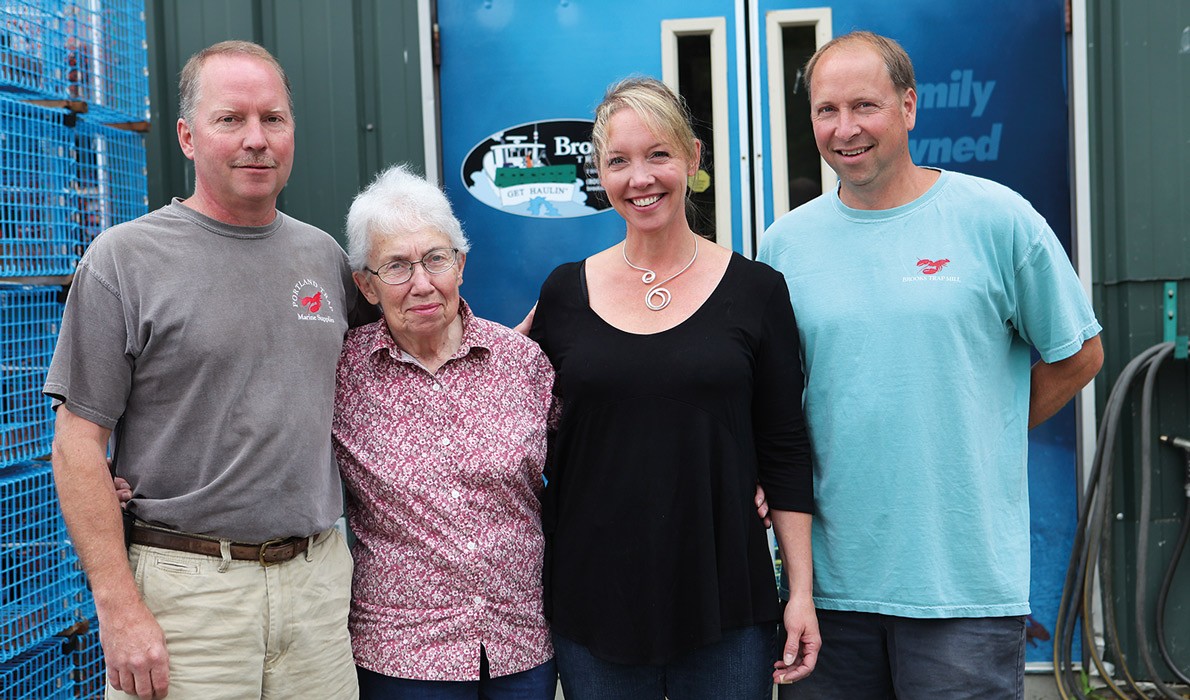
802	643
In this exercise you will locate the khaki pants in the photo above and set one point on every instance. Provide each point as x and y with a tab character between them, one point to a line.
237	630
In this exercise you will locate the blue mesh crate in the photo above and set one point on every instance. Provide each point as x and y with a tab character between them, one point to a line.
34	60
37	235
108	56
110	182
29	322
84	601
39	576
41	673
89	672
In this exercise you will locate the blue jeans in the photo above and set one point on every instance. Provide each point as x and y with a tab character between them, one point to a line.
866	656
537	683
740	665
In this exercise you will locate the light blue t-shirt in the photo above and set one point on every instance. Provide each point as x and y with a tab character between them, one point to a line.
916	325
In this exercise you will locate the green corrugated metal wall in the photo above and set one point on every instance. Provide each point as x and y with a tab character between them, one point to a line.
1139	56
355	71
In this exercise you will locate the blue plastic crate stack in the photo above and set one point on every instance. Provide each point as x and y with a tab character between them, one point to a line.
87	669
38	572
29	318
43	672
37	229
92	52
74	103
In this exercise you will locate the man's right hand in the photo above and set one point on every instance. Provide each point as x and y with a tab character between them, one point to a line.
134	652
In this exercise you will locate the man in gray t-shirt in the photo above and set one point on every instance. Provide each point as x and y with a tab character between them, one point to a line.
205	337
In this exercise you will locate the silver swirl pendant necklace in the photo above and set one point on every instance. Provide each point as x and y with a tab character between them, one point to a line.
658	290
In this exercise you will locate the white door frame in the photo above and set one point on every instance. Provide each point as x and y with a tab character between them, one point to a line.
716	29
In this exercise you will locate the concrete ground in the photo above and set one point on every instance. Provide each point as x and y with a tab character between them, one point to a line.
1041	686
1038	686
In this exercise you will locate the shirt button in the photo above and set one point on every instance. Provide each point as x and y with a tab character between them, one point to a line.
437	386
454	493
478	600
471	546
445	441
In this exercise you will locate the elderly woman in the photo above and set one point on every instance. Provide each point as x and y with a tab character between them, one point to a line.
439	429
680	380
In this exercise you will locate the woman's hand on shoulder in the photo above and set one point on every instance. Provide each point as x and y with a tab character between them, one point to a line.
524	326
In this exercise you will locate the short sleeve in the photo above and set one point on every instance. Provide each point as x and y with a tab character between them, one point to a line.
91	372
1051	311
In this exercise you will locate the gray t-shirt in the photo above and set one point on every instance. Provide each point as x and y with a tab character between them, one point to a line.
211	351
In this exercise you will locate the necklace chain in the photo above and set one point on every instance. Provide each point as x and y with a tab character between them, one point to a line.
657	290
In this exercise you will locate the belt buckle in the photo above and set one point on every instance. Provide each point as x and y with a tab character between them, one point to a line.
266	545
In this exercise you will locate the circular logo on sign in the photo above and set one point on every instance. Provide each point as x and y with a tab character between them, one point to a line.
538	169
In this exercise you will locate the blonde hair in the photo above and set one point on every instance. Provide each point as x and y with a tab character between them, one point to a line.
663	112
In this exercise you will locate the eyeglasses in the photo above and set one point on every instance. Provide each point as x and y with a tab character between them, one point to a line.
435	262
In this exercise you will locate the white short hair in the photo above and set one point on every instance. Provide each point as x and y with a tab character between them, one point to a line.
398	202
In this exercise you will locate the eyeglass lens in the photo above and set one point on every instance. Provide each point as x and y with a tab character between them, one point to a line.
436	262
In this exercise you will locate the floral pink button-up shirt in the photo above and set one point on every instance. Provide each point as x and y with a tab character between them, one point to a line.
443	474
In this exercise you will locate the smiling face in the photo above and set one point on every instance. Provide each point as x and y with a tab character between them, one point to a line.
644	175
423	308
861	122
241	140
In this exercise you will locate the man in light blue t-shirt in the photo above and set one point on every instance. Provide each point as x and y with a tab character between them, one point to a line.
919	295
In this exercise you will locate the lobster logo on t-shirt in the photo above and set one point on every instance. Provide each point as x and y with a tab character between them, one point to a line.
312	302
929	267
927	271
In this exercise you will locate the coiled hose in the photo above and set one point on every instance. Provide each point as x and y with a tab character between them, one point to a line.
1092	546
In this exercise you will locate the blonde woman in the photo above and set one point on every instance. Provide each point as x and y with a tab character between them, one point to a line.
678	371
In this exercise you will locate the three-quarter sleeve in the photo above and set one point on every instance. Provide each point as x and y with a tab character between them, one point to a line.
782	444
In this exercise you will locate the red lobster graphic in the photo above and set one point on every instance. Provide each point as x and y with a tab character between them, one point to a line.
929	267
315	302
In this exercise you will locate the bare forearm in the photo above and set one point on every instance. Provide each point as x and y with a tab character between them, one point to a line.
793	536
802	642
90	508
1052	385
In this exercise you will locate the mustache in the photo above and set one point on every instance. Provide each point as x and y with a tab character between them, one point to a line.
254	163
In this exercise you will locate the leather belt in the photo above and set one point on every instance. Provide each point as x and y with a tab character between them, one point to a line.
271	552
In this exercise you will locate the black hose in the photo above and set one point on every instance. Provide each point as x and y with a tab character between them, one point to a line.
1142	530
1086	556
1163	595
1080	569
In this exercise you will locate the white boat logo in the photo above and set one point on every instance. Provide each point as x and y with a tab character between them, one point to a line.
540	169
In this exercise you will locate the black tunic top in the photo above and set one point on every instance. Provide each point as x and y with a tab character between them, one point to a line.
653	545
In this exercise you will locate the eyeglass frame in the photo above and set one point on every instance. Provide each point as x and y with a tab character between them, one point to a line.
388	265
